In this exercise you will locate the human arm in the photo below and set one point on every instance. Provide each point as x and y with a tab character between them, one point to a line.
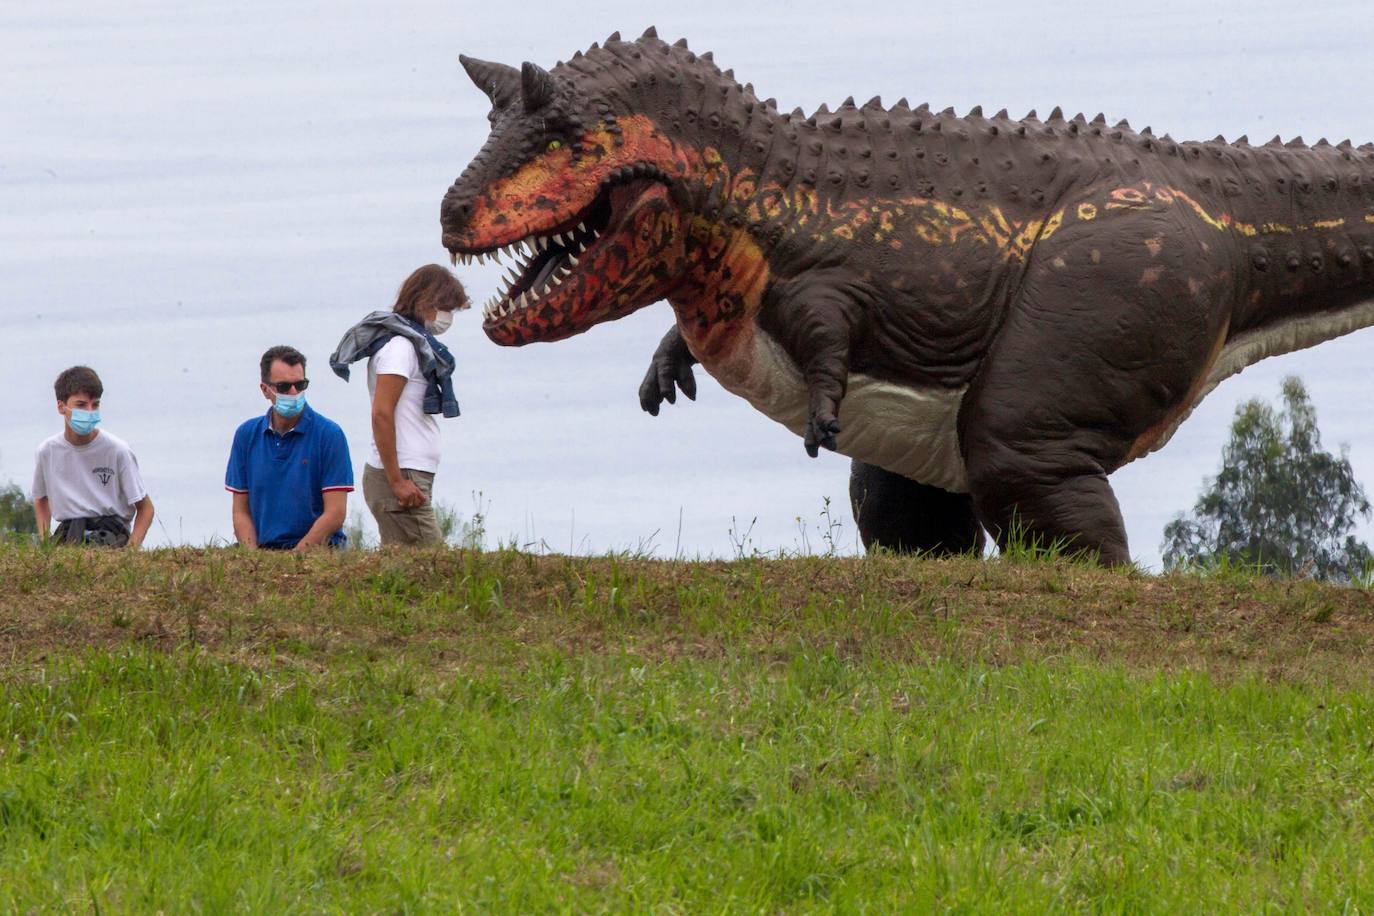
143	520
42	509
236	482
244	530
330	520
334	477
42	513
132	490
384	400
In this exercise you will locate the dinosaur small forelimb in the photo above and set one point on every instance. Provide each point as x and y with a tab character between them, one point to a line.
822	328
823	422
669	368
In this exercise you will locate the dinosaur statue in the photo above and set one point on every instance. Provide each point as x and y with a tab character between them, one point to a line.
989	315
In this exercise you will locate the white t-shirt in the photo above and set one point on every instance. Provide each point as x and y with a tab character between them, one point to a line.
84	481
418	444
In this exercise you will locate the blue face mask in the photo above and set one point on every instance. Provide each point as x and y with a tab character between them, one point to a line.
83	422
289	405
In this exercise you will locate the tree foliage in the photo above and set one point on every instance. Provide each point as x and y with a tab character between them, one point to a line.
16	512
1280	501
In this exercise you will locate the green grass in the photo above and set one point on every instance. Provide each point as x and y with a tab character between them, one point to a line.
424	732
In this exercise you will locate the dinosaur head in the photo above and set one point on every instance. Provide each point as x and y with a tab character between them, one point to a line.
579	197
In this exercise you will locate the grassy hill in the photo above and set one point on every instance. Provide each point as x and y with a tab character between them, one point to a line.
217	729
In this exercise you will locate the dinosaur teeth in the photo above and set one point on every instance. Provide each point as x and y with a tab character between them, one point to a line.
572	260
453	258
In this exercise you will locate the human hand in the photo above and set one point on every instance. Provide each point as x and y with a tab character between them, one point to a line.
408	496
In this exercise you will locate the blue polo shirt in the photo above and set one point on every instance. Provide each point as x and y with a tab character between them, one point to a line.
287	475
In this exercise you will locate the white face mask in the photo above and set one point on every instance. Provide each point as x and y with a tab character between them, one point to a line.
441	323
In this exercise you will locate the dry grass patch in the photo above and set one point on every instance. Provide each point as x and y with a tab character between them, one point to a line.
460	607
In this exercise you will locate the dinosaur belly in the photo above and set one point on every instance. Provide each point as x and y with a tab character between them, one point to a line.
909	431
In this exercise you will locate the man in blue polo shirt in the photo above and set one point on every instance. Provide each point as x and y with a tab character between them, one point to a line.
289	470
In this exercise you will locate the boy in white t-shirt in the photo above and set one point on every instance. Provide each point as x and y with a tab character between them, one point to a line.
88	479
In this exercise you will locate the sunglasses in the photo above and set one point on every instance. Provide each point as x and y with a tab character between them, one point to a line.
285	387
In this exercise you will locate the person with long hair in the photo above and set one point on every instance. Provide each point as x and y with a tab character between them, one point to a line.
409	379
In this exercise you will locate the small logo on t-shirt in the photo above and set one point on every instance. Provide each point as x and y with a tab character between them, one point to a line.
105	475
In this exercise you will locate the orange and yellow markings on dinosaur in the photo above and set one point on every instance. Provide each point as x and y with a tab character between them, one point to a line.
940	224
1145	196
561	181
936	223
556	184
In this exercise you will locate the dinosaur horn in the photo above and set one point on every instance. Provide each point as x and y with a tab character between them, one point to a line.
535	85
499	81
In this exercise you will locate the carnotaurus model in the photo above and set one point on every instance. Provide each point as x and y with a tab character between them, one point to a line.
989	315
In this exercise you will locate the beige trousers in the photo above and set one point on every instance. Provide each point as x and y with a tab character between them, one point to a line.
397	525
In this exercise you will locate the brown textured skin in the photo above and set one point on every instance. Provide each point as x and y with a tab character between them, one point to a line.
1079	279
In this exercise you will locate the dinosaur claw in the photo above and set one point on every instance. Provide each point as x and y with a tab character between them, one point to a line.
820	434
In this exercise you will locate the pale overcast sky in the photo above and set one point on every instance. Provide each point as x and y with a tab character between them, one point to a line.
183	185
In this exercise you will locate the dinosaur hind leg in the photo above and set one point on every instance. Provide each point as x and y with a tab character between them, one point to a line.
1076	511
900	514
1104	344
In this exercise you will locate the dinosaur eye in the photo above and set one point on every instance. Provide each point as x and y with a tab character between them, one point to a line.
554	144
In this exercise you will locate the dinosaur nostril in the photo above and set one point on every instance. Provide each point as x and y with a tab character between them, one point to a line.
455	209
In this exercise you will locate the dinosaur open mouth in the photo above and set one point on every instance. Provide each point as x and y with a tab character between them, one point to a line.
544	261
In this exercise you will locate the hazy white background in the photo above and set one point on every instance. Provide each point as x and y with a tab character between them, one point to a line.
183	185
